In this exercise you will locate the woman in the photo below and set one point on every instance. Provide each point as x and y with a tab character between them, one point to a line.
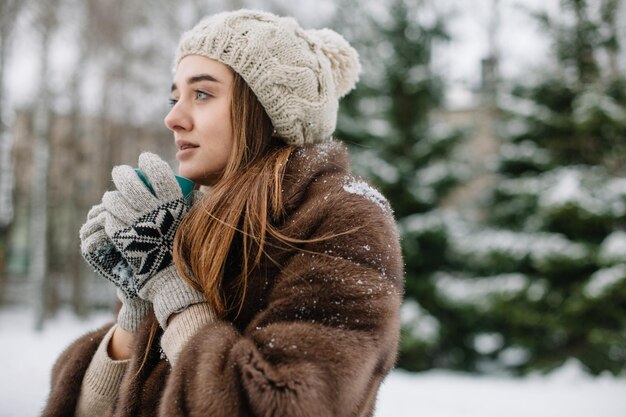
277	292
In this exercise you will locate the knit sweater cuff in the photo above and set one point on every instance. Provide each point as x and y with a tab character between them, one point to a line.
169	294
104	374
183	327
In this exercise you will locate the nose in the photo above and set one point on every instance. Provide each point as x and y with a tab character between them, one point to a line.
178	119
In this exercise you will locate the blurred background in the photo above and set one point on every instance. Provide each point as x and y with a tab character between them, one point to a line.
496	128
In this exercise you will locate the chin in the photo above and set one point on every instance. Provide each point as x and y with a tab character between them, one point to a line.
188	173
196	176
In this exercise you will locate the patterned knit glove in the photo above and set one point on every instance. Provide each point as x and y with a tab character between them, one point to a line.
142	226
108	262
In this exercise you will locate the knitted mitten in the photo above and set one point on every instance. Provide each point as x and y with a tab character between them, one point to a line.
99	251
142	226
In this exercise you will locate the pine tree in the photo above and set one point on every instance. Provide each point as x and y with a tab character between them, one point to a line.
545	276
388	121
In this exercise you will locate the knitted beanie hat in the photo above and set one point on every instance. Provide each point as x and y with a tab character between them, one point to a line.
297	75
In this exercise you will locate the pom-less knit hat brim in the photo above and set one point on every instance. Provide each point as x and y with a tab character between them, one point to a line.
297	75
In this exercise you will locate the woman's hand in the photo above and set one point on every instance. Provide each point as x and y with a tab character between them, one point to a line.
99	251
142	226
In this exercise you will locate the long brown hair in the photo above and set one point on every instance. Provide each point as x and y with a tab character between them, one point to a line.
245	201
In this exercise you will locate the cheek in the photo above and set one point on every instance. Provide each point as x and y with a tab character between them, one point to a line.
215	131
226	119
220	144
226	130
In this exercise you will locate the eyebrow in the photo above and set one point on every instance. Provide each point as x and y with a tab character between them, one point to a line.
197	79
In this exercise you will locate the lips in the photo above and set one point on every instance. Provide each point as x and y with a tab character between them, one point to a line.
183	144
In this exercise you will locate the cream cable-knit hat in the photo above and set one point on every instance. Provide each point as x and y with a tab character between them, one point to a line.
297	75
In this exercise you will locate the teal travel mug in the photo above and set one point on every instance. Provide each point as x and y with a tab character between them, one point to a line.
185	184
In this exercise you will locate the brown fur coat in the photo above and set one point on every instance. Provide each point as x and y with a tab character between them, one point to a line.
317	335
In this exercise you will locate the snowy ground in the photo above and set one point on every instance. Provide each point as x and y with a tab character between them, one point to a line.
26	358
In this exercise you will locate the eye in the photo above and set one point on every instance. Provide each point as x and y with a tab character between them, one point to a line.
172	102
201	95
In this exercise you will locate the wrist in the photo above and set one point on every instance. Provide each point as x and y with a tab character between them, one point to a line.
183	326
132	313
169	294
119	347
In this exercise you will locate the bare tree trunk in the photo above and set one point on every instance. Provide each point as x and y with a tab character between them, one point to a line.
77	268
39	214
6	175
9	10
490	64
39	202
610	13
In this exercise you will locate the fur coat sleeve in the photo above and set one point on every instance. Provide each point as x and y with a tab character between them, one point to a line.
68	373
329	332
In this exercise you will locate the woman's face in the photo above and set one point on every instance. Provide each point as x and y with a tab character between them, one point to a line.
200	118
